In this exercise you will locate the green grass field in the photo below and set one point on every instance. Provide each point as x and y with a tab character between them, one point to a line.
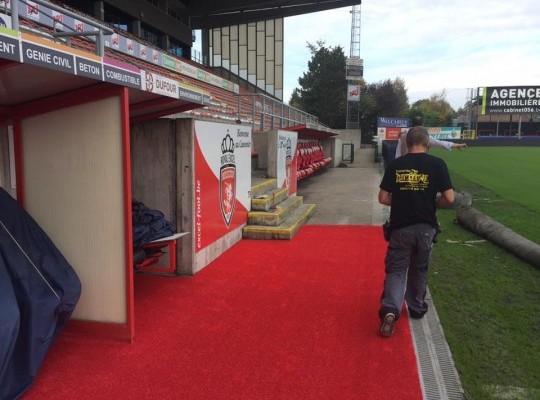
504	183
511	172
487	299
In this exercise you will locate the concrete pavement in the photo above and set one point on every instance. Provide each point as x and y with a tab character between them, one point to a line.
348	195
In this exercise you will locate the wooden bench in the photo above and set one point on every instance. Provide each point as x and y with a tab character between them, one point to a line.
155	251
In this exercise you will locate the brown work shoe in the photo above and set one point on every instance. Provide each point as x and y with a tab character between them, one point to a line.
387	325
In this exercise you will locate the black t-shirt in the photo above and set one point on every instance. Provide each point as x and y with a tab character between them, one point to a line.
414	180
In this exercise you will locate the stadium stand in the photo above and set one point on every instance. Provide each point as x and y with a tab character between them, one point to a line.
260	111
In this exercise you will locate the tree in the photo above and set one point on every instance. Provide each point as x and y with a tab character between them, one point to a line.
436	111
391	97
295	100
382	99
323	88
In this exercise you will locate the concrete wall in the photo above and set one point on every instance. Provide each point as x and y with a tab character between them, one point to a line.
260	145
185	193
332	148
213	251
353	136
153	166
272	151
162	178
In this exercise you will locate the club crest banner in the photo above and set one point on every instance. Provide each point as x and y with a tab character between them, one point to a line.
222	180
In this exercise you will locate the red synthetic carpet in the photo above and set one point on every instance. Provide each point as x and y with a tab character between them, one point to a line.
267	320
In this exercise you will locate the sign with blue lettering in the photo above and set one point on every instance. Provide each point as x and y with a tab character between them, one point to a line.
391	122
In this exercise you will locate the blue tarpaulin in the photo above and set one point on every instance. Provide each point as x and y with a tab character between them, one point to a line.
38	293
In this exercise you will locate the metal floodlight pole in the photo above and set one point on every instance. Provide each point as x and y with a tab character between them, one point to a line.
469	109
355	61
15	15
347	122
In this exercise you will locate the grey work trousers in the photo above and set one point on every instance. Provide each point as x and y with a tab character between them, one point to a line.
406	265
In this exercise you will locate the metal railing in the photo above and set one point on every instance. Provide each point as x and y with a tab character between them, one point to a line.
265	112
261	111
101	32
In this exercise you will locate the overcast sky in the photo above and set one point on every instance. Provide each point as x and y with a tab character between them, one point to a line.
431	44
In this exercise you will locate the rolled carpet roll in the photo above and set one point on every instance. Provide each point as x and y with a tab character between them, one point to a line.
476	221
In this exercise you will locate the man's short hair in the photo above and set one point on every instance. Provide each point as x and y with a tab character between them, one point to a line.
417	135
417	120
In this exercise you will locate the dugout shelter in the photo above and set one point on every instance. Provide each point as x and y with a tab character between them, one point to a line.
79	107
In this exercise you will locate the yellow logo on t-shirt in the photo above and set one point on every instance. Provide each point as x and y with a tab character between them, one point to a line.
410	179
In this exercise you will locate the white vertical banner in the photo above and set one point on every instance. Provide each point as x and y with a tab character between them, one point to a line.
353	93
222	180
5	20
286	160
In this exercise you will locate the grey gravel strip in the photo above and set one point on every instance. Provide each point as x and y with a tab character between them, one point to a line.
438	376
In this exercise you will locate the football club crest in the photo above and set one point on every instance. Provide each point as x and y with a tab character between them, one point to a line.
227	180
149	81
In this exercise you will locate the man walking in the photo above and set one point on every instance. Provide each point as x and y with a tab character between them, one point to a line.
401	147
409	186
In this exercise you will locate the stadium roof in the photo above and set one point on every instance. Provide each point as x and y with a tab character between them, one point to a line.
203	14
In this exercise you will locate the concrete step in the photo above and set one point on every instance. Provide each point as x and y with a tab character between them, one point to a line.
277	215
268	200
286	230
260	186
